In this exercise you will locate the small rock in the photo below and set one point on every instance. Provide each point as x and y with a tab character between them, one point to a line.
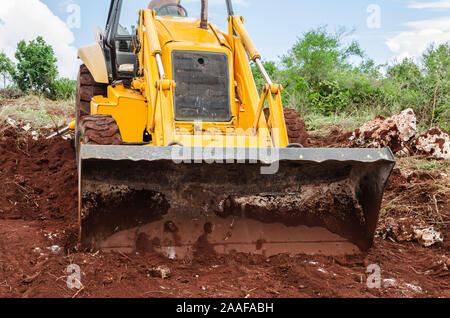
51	236
407	124
435	143
55	249
27	127
389	282
428	237
37	250
414	288
11	122
160	272
35	135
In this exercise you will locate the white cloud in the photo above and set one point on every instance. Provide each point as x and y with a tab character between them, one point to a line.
437	24
421	34
28	19
443	4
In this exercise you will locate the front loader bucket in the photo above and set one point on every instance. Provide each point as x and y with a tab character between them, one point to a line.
182	202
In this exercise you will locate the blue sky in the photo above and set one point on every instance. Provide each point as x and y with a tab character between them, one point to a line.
385	29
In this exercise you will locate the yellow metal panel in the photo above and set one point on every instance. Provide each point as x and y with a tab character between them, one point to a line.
184	30
127	107
92	55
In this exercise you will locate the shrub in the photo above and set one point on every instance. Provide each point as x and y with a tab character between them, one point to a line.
63	89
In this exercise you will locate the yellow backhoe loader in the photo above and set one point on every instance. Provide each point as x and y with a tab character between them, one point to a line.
178	153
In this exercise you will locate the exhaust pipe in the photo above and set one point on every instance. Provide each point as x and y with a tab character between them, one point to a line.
230	8
204	15
204	12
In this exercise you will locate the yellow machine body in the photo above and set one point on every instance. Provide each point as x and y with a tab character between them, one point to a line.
148	103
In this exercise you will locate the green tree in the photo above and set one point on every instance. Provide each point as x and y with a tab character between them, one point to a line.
36	68
423	86
318	55
436	61
6	68
407	74
318	74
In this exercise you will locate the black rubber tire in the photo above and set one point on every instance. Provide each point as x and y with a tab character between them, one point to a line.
99	130
86	89
296	127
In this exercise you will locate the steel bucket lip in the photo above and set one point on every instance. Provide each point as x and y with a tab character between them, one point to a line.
261	155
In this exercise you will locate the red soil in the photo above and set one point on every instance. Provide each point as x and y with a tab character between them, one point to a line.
38	209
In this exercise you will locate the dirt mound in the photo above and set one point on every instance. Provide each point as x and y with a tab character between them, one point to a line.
39	178
398	132
336	139
420	195
394	132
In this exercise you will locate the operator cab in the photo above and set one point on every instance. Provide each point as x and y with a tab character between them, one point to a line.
119	40
203	78
168	9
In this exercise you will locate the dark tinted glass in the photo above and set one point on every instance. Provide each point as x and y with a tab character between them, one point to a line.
202	91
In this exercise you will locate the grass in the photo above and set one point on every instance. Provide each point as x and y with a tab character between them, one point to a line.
321	124
421	164
37	111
